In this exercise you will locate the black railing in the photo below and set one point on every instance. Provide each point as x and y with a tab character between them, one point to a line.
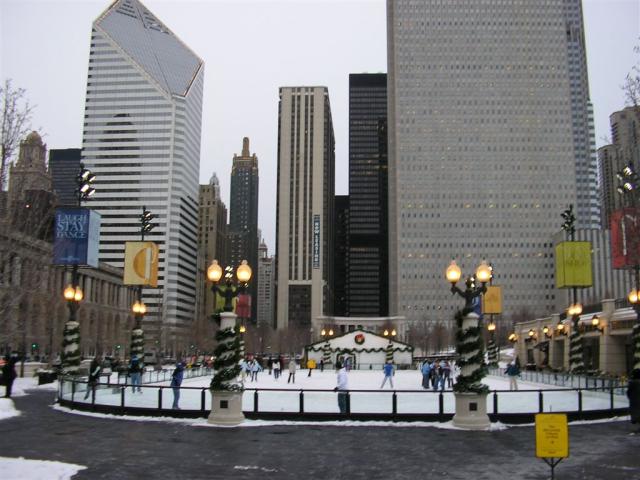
563	379
321	404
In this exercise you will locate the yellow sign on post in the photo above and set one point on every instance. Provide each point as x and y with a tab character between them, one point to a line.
552	435
141	263
573	265
492	300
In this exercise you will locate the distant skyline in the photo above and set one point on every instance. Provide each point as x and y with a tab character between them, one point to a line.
250	49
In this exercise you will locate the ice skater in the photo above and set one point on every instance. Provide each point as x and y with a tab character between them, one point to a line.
388	373
176	381
135	371
342	387
512	371
292	370
94	375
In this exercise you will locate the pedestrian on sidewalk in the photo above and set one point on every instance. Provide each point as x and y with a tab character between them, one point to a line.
9	374
388	373
342	387
135	371
512	372
94	375
633	392
292	369
176	381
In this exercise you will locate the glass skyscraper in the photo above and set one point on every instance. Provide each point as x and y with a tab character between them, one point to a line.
489	141
142	140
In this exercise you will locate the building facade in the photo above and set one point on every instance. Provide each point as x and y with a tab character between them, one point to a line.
367	279
142	140
243	215
624	150
482	147
266	291
212	242
64	165
341	255
305	218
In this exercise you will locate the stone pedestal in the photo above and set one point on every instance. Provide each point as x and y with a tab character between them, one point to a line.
226	408
471	411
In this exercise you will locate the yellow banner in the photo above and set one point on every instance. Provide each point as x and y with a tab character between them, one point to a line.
492	300
573	265
552	435
141	263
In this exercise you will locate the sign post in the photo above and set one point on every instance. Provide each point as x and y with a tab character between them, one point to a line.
552	438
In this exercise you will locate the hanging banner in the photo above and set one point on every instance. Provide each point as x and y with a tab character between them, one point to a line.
76	237
492	300
316	241
573	265
625	237
243	306
141	263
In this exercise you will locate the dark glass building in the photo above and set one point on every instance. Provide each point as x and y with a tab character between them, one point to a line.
367	283
64	165
243	217
341	252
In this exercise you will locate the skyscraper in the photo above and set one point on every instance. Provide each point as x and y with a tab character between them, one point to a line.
243	215
142	140
212	241
484	100
64	165
265	295
304	223
367	279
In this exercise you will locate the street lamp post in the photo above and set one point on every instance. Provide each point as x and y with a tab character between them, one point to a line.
629	188
470	392
139	308
73	294
226	391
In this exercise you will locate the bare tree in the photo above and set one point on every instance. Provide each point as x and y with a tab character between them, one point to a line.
16	122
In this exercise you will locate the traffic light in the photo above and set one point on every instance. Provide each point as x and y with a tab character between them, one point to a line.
34	348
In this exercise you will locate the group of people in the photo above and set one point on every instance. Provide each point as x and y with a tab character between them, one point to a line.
250	369
436	375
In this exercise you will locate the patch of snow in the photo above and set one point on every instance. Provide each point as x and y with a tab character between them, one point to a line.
254	467
7	409
23	469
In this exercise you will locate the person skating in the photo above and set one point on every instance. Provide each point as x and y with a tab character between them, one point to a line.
94	375
292	370
135	371
9	374
512	372
255	368
311	364
342	387
426	373
276	369
176	381
633	393
446	375
388	373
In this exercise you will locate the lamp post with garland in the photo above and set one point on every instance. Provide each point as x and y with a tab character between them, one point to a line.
226	391
470	392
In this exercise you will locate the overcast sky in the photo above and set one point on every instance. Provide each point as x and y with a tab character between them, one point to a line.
251	48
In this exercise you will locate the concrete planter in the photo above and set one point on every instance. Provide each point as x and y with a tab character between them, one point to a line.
471	411
226	408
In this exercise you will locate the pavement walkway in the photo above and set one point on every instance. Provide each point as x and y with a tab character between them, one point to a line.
121	449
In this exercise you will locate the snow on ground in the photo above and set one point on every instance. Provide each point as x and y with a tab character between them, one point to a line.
411	398
7	410
22	469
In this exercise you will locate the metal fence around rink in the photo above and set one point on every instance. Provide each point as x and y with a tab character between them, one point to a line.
317	404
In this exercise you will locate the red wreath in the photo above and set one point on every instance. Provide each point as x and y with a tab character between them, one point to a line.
359	338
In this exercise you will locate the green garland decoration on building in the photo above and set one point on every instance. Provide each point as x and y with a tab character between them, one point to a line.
469	341
71	348
361	350
576	363
227	362
137	343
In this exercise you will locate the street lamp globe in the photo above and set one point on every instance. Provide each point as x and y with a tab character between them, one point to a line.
323	332
483	272
78	295
453	272
393	333
244	272
331	332
491	327
633	296
69	292
214	272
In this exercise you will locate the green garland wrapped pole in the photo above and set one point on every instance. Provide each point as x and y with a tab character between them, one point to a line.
326	353
470	355
636	345
71	347
492	350
576	362
389	353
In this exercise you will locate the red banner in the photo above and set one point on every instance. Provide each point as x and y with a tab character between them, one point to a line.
625	237
243	307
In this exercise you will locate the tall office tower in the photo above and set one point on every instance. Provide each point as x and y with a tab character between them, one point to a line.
64	165
142	140
341	255
482	158
212	241
243	215
625	150
266	291
367	278
305	208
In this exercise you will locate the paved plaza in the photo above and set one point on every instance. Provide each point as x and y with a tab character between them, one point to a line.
113	448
